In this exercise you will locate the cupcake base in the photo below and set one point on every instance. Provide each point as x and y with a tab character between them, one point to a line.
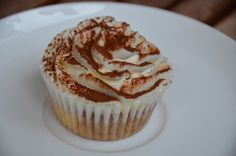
98	121
88	129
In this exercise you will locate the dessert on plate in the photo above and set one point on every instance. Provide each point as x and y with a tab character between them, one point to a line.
104	78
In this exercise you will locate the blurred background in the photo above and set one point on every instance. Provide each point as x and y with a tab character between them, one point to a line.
220	14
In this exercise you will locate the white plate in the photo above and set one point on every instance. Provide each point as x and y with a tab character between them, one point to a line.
200	104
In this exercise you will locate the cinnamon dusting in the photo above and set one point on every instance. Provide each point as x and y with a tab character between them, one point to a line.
115	39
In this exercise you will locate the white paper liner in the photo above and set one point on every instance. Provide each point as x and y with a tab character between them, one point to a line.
75	106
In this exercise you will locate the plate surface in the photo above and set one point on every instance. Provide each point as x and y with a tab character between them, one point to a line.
200	104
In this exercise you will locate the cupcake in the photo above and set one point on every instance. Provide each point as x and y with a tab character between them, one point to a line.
104	78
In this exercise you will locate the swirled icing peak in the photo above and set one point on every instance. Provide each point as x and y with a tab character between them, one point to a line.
103	60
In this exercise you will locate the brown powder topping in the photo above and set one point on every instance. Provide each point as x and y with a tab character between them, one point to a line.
101	37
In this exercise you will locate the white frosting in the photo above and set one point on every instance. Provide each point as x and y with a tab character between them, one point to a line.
78	37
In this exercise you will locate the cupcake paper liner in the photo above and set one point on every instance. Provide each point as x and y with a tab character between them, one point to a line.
94	121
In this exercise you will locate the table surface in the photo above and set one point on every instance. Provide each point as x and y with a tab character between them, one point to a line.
220	14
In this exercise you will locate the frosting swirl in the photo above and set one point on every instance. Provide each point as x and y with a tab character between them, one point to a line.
104	60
